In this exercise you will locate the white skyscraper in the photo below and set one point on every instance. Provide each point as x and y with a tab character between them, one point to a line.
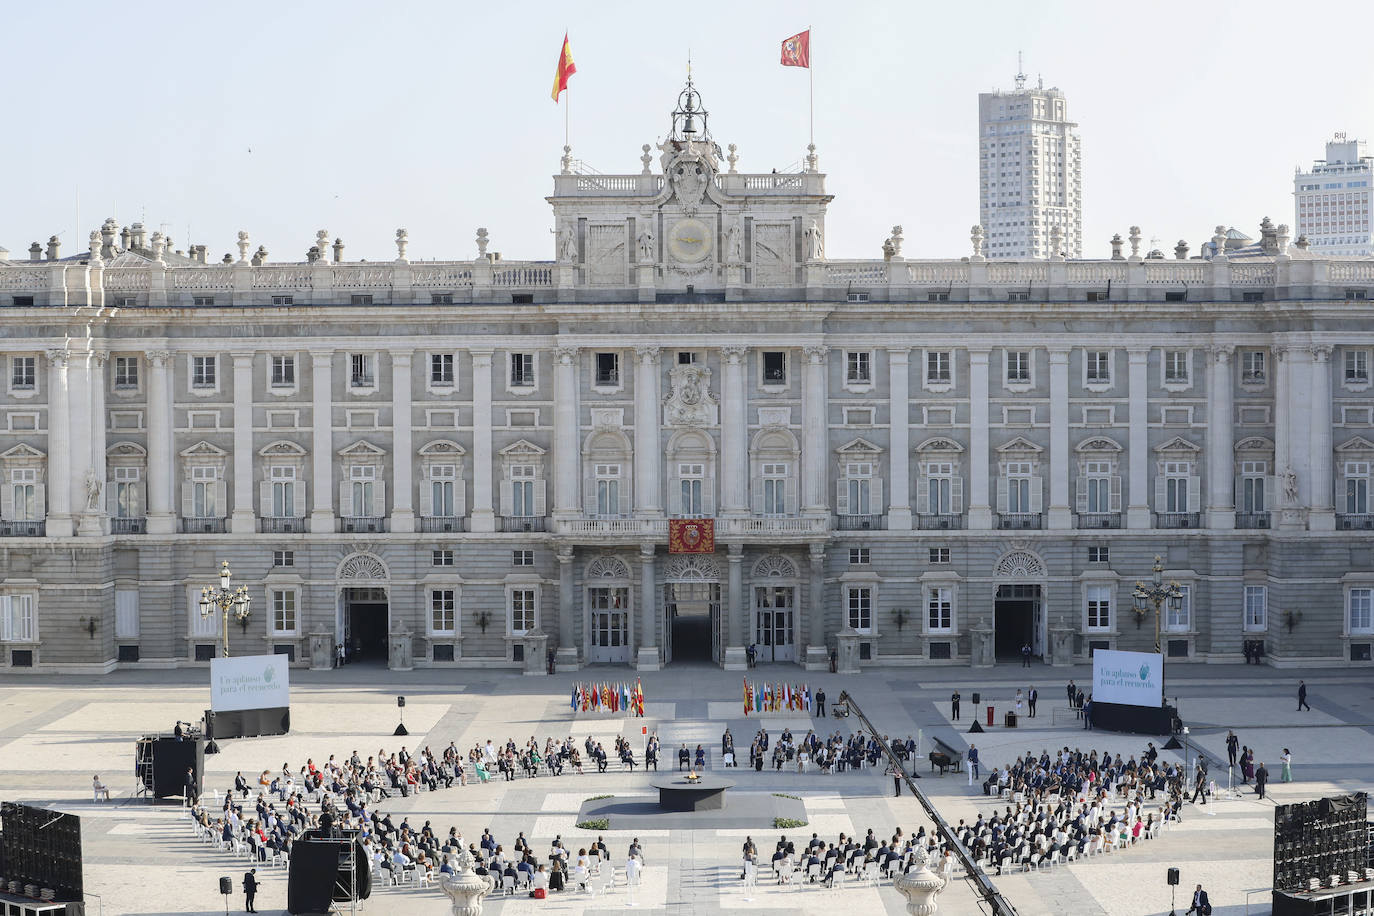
1333	200
1030	172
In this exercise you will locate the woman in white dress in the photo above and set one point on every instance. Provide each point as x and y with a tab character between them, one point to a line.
1018	701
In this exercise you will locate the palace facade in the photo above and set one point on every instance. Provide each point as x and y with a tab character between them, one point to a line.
475	462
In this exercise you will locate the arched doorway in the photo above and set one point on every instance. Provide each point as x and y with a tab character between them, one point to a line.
774	631
608	606
363	616
691	608
1018	607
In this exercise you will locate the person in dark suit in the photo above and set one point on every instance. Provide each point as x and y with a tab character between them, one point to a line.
954	706
250	889
192	795
1031	697
1025	655
1302	697
1261	778
1201	905
820	703
1072	692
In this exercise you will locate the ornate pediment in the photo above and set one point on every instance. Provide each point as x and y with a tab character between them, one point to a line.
1255	444
859	447
22	452
203	449
607	568
775	566
1356	444
1020	564
522	448
1020	444
690	403
282	449
363	567
442	448
1178	444
126	450
1098	444
939	444
362	450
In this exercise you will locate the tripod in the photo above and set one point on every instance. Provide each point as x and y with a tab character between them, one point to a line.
1173	900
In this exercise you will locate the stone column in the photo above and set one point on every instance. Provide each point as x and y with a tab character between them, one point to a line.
1138	438
483	515
648	451
979	511
1061	512
1289	514
734	434
814	433
322	442
243	520
402	444
1221	465
567	655
79	435
161	465
567	486
647	658
899	439
1322	516
97	522
735	659
1299	404
817	657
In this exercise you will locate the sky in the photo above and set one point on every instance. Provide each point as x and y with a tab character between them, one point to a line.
204	119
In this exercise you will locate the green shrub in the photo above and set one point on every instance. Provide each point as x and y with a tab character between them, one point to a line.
599	797
596	823
785	795
782	823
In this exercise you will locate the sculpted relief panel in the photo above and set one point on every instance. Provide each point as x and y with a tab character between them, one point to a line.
772	254
606	261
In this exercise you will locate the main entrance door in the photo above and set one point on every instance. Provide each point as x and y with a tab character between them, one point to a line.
609	624
774	616
365	613
693	612
1018	621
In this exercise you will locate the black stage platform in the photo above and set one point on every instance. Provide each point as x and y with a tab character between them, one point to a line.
1134	720
1345	899
678	793
748	810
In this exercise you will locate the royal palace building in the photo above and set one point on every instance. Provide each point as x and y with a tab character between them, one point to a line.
479	462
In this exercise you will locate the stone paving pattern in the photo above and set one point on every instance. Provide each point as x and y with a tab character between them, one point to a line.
143	859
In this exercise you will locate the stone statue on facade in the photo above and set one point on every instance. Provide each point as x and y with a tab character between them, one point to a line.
567	245
1290	487
815	242
734	244
92	491
646	244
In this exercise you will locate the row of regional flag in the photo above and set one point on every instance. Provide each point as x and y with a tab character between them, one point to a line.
775	697
603	696
796	52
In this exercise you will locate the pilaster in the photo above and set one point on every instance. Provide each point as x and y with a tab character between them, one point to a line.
899	439
647	658
648	450
243	520
322	441
1322	515
814	432
1138	438
566	658
817	658
1221	486
161	471
734	447
402	445
736	658
483	515
1060	512
567	488
979	510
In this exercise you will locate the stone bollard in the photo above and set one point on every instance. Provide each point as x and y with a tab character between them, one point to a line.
466	888
920	886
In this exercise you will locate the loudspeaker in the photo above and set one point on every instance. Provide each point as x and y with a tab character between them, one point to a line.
976	699
1173	877
209	723
401	702
226	886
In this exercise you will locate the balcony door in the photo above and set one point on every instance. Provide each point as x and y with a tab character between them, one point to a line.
608	623
775	623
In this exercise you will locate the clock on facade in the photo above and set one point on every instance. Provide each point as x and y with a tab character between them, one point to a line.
689	240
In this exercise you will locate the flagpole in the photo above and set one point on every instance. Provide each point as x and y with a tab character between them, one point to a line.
811	79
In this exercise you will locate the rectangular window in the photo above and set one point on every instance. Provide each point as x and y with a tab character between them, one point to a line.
126	372
608	369
523	605
1019	487
16	618
1181	617
1099	554
859	556
522	490
1098	476
24	493
23	373
859	605
522	558
774	489
361	370
858	369
859	488
938	366
1099	607
283	610
1252	486
939	554
1176	486
203	371
363	486
608	490
283	371
1099	365
283	300
441	298
283	558
202	300
522	370
691	479
1357	366
443	607
441	368
774	367
939	609
686	357
1256	607
1252	367
443	480
283	480
1176	366
127	493
1018	366
441	558
360	299
204	503
1357	488
1362	610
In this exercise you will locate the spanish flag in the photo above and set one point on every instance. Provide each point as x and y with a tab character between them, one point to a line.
566	68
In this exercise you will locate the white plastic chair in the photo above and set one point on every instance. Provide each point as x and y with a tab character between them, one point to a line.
871	874
751	874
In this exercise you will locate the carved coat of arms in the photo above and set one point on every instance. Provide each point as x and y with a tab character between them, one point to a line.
691	402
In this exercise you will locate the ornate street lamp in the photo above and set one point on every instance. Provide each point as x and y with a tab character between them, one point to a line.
1156	592
227	601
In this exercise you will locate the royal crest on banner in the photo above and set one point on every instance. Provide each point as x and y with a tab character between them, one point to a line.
692	535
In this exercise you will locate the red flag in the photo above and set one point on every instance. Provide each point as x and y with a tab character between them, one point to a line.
796	51
566	68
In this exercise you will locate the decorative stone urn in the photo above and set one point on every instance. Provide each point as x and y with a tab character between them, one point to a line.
466	888
920	886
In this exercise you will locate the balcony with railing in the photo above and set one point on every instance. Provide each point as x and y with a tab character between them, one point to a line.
600	526
442	524
1178	520
197	525
860	522
770	526
23	529
1099	520
120	525
939	522
1252	519
513	523
1019	521
363	524
281	525
1355	522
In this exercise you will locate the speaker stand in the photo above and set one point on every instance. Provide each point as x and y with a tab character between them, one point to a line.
1173	900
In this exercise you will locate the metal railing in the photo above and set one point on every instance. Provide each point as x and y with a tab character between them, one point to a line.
1349	522
441	524
283	525
25	529
860	522
204	525
128	525
1018	521
1252	519
1099	520
523	523
939	522
1178	519
362	524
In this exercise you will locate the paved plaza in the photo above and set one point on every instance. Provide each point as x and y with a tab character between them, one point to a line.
56	732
